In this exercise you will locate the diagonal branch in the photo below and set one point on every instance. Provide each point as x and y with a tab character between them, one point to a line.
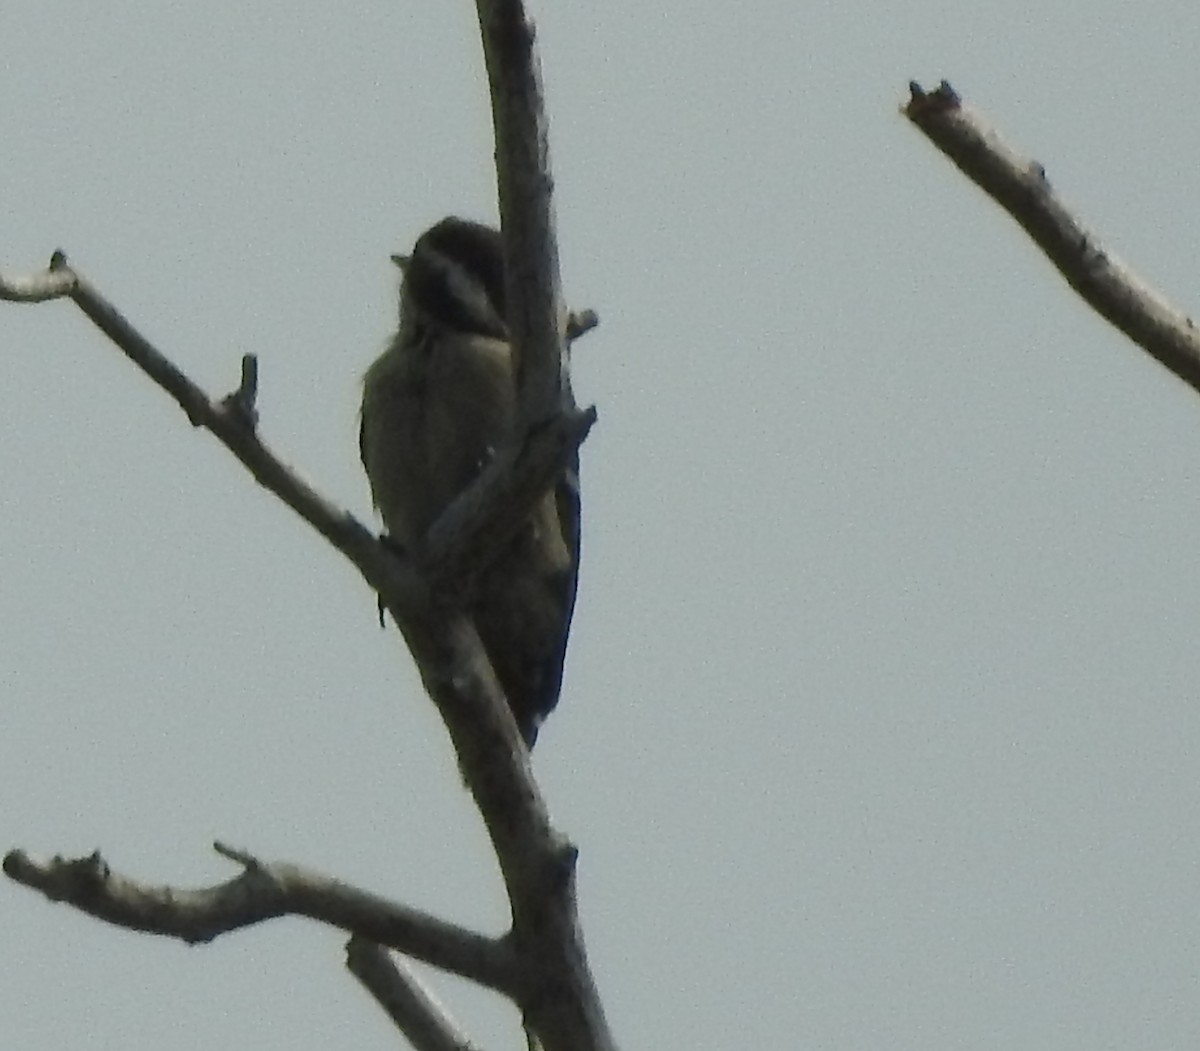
486	515
231	421
413	1008
264	891
467	535
1019	185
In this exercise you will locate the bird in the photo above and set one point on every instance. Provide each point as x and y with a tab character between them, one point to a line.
437	404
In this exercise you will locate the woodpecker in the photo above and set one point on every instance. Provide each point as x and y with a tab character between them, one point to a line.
437	404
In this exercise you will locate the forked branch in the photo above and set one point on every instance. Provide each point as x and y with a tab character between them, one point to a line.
266	891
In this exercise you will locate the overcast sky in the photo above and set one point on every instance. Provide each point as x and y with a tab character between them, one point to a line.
881	717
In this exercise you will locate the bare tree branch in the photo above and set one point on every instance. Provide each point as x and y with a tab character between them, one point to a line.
560	1003
470	532
536	317
1019	185
265	891
497	506
231	420
416	1012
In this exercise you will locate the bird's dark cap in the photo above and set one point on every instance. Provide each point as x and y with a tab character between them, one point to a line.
456	274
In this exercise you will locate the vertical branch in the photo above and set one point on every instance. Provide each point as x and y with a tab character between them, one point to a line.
559	999
536	316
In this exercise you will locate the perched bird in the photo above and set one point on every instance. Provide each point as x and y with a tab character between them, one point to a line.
436	406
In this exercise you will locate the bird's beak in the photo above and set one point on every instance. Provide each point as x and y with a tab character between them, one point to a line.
402	262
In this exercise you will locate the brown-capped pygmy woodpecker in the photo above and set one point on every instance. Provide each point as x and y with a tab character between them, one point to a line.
436	406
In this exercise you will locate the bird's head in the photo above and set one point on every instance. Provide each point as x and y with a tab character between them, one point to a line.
454	279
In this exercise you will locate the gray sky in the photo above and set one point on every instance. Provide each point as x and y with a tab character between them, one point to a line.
880	726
